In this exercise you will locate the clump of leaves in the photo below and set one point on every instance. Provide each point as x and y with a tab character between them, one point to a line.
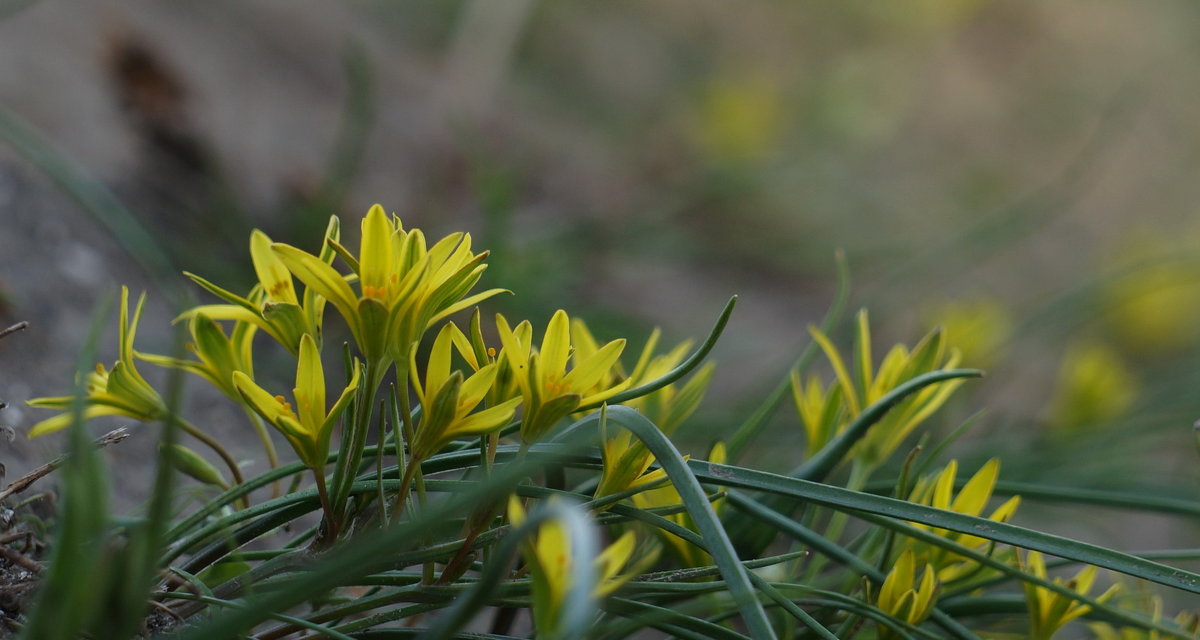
527	479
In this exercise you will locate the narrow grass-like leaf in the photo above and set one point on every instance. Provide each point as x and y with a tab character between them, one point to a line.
844	499
578	605
749	429
1125	617
299	622
717	541
67	601
824	461
668	621
371	551
832	550
678	372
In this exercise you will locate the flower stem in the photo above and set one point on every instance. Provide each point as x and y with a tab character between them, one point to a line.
221	451
331	522
264	437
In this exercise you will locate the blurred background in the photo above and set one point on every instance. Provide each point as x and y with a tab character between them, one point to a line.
1022	173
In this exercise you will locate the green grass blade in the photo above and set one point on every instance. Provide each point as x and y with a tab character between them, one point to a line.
823	462
67	602
579	603
698	506
680	371
846	500
370	552
749	429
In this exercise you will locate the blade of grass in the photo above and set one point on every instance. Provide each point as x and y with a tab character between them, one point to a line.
843	499
824	461
757	420
678	372
715	537
66	604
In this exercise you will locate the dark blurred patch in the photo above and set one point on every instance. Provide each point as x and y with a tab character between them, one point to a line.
154	99
178	186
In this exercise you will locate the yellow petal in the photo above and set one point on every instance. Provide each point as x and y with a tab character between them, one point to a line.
437	370
839	368
897	584
275	278
484	421
266	405
516	351
477	386
973	497
320	277
63	420
556	347
310	385
587	373
376	262
944	487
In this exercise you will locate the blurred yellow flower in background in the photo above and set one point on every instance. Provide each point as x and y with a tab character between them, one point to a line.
1153	303
1094	386
977	327
740	117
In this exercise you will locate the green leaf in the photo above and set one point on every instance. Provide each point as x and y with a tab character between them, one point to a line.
698	506
684	367
852	501
67	602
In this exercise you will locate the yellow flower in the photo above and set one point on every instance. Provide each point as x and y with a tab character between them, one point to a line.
625	457
405	286
938	491
978	328
1094	386
1050	611
667	407
900	599
477	354
219	354
740	118
272	305
549	558
550	391
825	413
1153	302
119	392
309	425
447	400
688	554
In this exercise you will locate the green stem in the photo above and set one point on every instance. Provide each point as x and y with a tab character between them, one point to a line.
410	433
352	451
264	437
221	451
332	523
405	483
859	474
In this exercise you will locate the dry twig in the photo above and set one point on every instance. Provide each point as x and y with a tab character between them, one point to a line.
23	483
4	333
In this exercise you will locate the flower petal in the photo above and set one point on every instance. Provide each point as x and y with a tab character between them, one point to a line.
275	278
375	254
556	347
320	277
310	386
